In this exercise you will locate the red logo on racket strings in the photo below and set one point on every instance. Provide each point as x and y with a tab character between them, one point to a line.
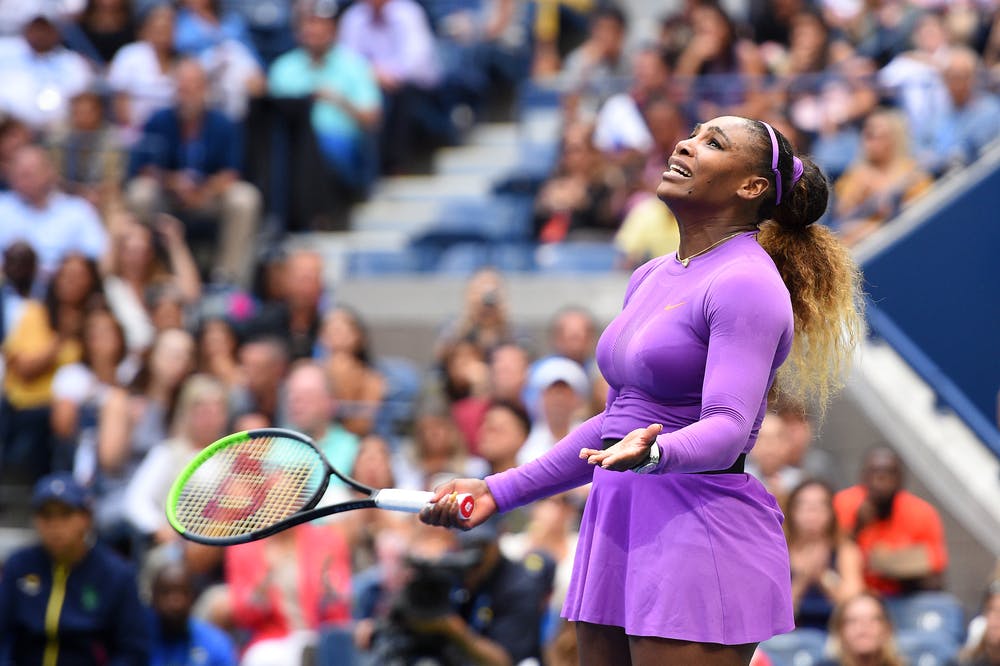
242	493
465	507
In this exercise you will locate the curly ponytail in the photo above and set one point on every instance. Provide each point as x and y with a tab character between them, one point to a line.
821	276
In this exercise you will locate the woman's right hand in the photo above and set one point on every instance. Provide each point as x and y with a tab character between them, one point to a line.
443	509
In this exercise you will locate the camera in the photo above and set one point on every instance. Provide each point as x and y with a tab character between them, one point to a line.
432	591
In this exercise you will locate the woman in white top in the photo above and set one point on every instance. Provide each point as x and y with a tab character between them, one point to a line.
132	267
79	390
200	419
141	73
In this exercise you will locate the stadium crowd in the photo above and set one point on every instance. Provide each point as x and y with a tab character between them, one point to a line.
154	154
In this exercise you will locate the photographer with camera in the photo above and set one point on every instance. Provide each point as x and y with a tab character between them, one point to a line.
464	604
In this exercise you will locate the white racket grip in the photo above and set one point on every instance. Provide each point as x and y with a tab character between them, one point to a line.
412	501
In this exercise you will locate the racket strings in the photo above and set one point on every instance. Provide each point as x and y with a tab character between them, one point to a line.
250	486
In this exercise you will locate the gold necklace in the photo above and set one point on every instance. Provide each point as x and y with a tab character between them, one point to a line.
687	260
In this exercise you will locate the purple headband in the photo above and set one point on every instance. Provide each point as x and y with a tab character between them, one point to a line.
796	165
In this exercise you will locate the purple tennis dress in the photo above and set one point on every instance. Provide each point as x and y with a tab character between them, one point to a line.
693	557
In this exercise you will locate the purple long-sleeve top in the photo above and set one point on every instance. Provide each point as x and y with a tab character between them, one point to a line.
694	348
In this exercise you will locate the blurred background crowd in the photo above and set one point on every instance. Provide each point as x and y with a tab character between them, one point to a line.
154	157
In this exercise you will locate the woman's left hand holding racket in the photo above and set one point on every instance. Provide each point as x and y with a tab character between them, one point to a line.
445	509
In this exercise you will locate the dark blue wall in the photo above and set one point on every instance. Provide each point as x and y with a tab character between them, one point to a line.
940	285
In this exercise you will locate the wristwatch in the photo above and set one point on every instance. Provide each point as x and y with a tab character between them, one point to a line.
651	461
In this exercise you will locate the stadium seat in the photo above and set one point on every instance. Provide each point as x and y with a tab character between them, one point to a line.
513	257
463	259
374	263
577	257
927	648
929	612
802	647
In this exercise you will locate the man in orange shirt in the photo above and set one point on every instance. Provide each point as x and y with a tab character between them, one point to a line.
900	535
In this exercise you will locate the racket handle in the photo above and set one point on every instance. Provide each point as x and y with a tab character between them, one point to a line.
412	501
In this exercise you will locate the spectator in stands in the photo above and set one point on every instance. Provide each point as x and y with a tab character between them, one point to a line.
40	75
504	431
882	29
912	81
52	222
145	258
14	135
200	418
358	386
80	389
827	567
882	180
495	618
100	30
88	589
900	535
294	313
188	162
728	68
562	389
811	462
973	119
485	317
396	38
47	336
203	25
599	66
132	421
20	266
221	42
218	344
436	451
509	365
573	335
311	409
347	99
141	74
89	155
861	633
827	92
465	384
582	199
986	652
619	125
263	366
768	461
373	466
283	589
177	637
551	533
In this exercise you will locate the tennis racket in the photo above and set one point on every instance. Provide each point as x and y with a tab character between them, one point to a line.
251	484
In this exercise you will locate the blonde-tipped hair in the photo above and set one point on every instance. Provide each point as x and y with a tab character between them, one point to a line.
824	283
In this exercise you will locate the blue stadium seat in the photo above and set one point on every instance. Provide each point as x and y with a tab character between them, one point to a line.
927	648
513	257
463	259
373	263
577	257
802	647
929	612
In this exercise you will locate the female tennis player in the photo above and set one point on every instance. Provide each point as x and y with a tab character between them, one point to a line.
681	557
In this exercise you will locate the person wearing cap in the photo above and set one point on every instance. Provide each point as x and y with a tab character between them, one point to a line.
561	389
69	601
681	557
